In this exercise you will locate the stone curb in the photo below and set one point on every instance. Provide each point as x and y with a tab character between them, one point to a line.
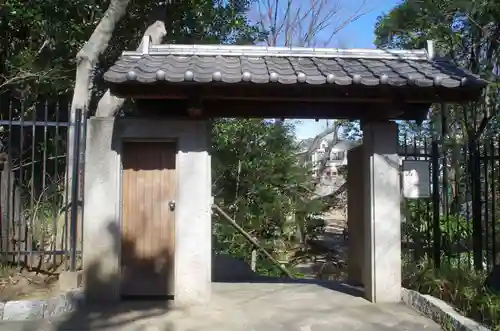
439	311
23	310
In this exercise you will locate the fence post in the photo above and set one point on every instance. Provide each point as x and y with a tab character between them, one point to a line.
436	228
7	208
75	180
253	260
477	238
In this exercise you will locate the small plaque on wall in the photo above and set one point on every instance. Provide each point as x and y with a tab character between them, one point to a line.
416	179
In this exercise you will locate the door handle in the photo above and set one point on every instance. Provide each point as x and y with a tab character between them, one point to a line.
171	205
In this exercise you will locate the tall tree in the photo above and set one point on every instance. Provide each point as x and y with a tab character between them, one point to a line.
40	41
468	33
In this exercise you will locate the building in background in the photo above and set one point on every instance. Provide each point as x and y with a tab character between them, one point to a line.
326	154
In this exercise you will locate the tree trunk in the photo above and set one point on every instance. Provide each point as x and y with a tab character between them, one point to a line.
86	60
109	105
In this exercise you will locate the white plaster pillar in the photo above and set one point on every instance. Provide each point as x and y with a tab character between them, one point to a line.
193	227
382	215
101	224
355	214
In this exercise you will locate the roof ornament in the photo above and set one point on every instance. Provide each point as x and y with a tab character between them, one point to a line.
217	76
247	76
188	76
330	78
131	75
301	77
356	78
384	79
160	75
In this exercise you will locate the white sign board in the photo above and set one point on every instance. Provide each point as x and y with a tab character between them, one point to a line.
416	179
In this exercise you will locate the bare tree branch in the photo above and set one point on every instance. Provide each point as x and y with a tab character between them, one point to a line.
22	75
301	23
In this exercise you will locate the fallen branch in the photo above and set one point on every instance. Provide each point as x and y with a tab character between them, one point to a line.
252	241
31	281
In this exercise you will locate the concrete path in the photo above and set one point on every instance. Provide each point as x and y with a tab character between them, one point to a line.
298	306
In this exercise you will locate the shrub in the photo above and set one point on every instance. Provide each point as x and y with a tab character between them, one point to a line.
461	287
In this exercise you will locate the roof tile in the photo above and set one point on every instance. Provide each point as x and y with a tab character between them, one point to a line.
149	69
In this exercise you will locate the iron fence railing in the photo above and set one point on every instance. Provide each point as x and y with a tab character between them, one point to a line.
35	221
41	221
459	222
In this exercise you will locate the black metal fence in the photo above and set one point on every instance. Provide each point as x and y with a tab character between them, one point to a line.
37	227
459	222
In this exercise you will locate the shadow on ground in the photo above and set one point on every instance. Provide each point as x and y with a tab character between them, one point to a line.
231	270
336	286
136	313
132	311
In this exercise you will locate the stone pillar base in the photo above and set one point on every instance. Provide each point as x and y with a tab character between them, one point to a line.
69	280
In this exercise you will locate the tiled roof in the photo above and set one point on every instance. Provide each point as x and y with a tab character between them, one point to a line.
261	65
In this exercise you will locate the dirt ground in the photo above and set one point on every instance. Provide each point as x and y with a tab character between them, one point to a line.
333	265
20	285
336	267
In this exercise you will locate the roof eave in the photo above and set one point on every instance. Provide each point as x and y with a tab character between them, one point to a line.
161	90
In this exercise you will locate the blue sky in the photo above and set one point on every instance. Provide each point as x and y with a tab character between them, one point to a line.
356	35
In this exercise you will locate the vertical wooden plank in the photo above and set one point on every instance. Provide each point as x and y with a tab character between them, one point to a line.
148	241
164	211
19	227
155	233
7	206
126	210
170	193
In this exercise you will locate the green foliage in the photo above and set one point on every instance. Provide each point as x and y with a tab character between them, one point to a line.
455	232
463	288
455	281
40	39
468	33
351	130
259	182
44	211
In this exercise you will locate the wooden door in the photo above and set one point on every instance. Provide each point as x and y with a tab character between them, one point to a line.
147	243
